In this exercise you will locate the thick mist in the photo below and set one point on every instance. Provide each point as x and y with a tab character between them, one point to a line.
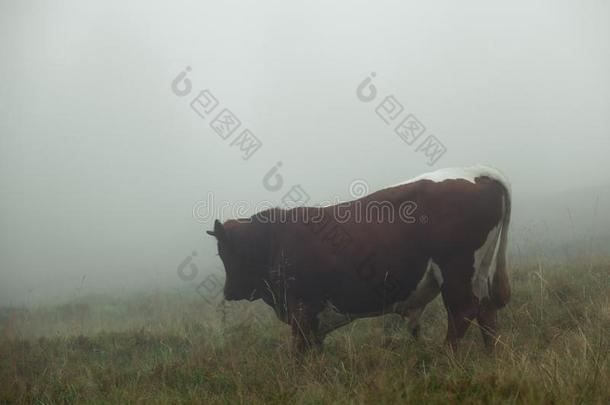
103	161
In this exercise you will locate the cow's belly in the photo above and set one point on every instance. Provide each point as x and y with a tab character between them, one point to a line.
428	287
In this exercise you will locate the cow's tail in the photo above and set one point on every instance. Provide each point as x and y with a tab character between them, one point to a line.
500	288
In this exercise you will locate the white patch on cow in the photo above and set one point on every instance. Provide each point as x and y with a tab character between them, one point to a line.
461	173
485	259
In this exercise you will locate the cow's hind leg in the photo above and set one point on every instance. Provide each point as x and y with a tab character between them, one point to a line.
487	320
459	318
413	324
411	317
427	289
459	300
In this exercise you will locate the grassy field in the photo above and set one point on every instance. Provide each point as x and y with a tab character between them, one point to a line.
173	347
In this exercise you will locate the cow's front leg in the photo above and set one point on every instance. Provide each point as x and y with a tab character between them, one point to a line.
305	328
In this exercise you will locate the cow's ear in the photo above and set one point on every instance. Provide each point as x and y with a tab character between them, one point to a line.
219	231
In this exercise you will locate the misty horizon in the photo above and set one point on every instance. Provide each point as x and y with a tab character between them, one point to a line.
102	162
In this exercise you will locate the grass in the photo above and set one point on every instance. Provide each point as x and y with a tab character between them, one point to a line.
172	347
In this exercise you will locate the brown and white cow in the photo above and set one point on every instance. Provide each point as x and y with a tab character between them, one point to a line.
391	251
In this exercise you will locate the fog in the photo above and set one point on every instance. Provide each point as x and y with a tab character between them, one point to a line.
102	162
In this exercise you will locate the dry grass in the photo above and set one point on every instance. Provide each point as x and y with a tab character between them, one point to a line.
171	347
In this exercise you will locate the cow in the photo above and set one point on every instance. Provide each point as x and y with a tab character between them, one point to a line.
391	251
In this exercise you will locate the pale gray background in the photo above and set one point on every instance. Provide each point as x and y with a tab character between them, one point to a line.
100	163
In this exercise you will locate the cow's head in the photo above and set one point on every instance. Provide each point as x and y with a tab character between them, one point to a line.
241	253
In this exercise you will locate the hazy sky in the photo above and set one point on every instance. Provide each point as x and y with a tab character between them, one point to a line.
101	163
